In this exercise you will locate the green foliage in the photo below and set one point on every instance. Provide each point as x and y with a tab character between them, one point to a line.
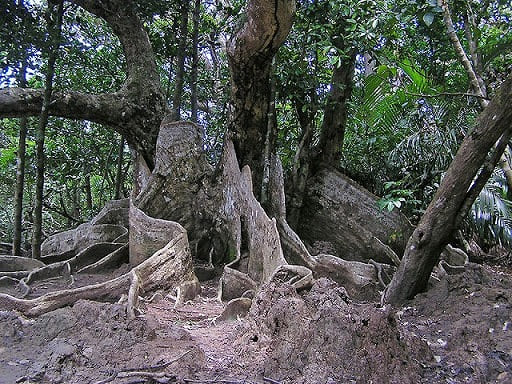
396	197
491	214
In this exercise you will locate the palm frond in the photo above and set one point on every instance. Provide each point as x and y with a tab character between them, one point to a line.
491	214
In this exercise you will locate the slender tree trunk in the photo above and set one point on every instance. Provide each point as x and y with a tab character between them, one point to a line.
270	144
180	75
301	163
53	46
88	192
20	176
329	149
119	170
195	62
20	187
473	70
169	79
443	214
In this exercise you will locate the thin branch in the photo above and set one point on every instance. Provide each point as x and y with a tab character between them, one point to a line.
62	213
440	94
463	57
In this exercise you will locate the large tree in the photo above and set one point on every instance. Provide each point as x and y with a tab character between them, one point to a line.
219	207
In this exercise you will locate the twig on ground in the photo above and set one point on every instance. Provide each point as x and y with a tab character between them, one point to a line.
146	372
220	381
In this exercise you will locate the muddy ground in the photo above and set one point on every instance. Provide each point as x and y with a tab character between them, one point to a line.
460	331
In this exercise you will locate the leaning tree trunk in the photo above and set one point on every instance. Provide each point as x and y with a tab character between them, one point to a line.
250	54
473	67
442	215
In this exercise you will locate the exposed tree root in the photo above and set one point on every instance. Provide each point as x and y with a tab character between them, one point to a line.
148	372
224	217
133	294
65	245
112	260
15	274
259	243
89	255
165	269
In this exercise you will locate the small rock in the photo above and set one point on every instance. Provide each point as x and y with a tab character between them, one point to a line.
235	308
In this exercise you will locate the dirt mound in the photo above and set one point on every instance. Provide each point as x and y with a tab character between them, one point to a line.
466	319
322	337
86	343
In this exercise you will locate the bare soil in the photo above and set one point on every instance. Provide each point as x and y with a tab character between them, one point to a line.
460	331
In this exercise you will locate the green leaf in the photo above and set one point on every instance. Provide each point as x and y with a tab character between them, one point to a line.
428	18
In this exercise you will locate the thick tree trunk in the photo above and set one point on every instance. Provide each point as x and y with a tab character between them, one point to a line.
342	218
439	221
250	54
53	47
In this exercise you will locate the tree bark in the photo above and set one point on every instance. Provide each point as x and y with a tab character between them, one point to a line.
195	62
439	221
20	176
310	160
119	170
250	53
53	47
329	149
473	70
88	193
182	54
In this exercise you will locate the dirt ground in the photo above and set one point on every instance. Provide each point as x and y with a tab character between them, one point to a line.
460	331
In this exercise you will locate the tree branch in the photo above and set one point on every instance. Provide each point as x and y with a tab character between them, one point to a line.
102	109
459	50
440	94
121	16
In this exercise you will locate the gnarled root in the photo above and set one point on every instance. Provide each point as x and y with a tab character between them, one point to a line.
165	269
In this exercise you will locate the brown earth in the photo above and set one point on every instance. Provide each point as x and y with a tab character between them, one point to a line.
458	332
